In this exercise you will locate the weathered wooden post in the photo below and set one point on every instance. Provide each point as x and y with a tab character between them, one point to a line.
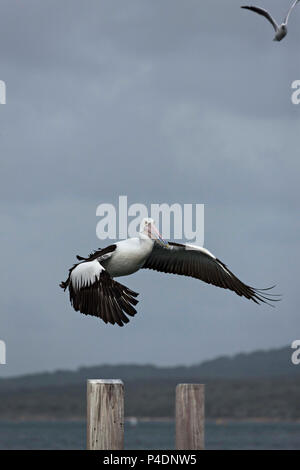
105	415
190	416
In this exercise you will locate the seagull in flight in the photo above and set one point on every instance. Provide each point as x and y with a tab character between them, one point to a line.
280	30
93	290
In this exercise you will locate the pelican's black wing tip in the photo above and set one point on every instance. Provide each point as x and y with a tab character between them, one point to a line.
265	297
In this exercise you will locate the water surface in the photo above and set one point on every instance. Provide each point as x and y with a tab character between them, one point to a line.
151	435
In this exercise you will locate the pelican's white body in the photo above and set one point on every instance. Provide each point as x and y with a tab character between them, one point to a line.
129	256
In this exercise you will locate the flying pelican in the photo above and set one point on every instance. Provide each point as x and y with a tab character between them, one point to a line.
93	291
280	30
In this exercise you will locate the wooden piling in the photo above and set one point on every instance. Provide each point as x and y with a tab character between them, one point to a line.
105	415
190	417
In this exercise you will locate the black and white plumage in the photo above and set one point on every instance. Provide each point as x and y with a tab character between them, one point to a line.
93	291
280	30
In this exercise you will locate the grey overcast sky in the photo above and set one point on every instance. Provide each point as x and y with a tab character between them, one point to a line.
163	101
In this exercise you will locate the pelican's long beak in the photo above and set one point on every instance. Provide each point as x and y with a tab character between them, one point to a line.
154	234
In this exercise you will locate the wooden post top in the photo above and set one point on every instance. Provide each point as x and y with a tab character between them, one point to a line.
106	381
105	414
190	416
190	385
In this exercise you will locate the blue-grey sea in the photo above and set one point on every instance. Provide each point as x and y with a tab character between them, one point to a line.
151	435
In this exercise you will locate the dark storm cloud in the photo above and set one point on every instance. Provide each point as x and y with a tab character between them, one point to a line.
165	101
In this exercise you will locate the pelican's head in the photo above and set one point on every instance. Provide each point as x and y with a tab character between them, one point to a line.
148	229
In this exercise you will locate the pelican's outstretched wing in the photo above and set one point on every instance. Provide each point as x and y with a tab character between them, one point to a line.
93	292
264	13
193	261
289	12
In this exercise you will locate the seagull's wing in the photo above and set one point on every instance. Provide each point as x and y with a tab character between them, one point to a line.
289	12
93	292
264	13
197	262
